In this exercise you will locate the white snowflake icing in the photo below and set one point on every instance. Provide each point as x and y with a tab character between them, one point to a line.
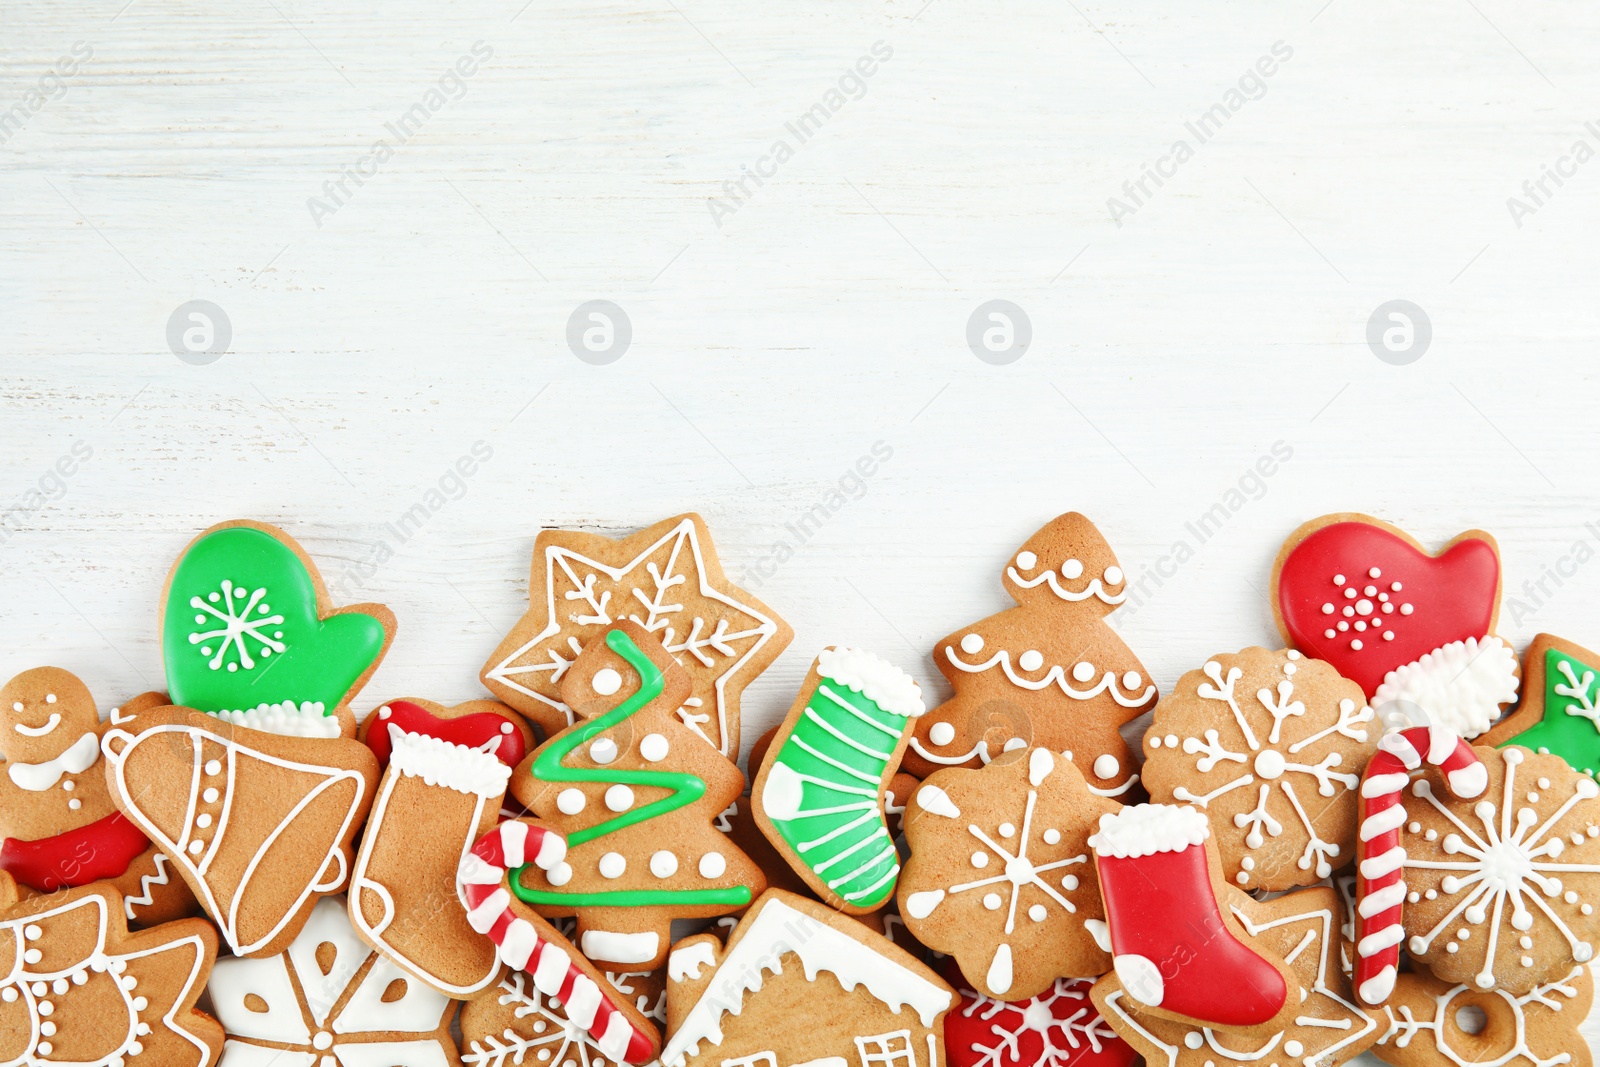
1508	859
551	1039
1061	1037
240	618
1404	1029
1268	764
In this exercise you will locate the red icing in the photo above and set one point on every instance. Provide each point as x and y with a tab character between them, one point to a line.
1059	1026
102	849
1162	907
1452	596
473	731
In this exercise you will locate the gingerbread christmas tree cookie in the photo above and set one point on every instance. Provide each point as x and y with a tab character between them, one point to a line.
1270	745
1049	673
665	579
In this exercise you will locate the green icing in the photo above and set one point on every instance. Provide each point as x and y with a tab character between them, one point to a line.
1568	728
822	792
241	629
686	789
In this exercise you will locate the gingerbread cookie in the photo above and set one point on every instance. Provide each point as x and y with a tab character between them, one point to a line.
78	988
665	579
635	795
1414	630
330	1001
1499	888
1049	673
819	797
59	826
1060	1027
1270	745
1000	874
1560	709
613	1024
1179	950
518	1024
446	772
801	983
1538	1028
249	634
1326	1026
259	826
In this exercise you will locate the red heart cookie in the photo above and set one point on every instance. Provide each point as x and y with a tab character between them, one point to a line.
469	731
1367	598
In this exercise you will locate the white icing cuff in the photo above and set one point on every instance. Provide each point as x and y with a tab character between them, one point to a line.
287	719
438	762
886	685
1145	829
1462	685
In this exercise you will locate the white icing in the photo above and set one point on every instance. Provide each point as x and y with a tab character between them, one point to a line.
653	747
778	930
1071	570
689	961
38	777
1106	765
442	763
621	948
1145	829
606	681
287	719
38	731
936	801
1057	676
1461	685
712	865
880	681
942	733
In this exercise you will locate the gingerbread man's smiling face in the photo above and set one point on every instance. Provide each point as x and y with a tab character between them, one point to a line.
44	713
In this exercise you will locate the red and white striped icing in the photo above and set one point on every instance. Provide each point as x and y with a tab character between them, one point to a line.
1381	887
532	945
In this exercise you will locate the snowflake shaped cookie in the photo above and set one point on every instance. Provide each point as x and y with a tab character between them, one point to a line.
1329	1027
1000	874
666	579
1058	1028
518	1026
329	1001
1271	746
1500	888
1536	1029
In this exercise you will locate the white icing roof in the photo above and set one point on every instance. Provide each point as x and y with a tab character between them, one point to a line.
777	930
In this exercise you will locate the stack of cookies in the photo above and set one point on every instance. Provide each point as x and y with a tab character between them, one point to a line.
1384	836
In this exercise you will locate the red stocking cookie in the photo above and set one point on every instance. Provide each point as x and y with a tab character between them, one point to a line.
665	579
1415	631
446	772
1049	673
59	826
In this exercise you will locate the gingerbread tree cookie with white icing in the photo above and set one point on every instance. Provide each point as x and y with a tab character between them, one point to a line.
666	579
1271	746
59	827
1050	672
1001	876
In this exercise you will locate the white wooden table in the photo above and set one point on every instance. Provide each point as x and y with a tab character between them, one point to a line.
779	330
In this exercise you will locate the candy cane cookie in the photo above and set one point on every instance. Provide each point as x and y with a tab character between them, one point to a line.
1381	887
527	942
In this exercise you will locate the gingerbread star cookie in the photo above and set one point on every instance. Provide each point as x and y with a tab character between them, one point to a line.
666	579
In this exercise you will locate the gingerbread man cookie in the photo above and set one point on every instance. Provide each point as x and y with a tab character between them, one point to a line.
1270	745
1049	673
666	579
59	826
1000	874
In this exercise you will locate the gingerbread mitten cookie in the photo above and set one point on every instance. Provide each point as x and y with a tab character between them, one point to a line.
1049	673
59	827
253	784
820	794
328	1000
1000	874
1326	1027
1415	631
446	772
78	988
635	795
665	579
801	983
1270	745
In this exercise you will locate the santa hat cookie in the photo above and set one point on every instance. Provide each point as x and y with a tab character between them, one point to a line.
1414	630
